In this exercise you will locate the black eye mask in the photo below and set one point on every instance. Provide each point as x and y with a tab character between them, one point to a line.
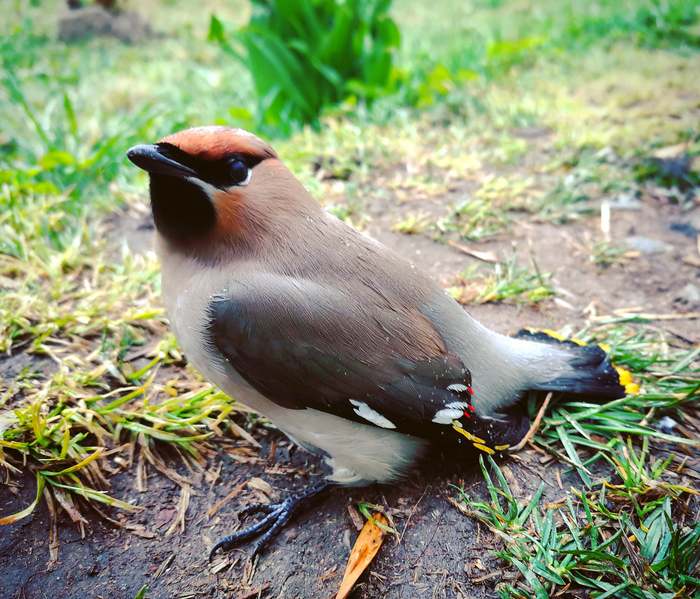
225	172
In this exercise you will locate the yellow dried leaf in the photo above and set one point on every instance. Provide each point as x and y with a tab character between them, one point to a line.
258	484
366	547
484	256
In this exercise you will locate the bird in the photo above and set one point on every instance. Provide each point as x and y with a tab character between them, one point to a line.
347	347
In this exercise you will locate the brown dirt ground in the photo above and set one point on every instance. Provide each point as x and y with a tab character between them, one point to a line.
441	553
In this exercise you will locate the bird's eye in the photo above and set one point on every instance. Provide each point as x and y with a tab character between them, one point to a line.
240	173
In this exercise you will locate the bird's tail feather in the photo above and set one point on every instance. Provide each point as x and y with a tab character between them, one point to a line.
592	374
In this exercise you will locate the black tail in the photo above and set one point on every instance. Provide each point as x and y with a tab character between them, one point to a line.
594	376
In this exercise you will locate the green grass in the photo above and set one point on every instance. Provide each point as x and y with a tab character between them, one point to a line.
631	529
413	224
623	538
604	253
342	51
507	282
606	85
583	433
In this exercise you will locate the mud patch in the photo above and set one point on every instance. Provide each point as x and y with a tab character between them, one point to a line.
95	21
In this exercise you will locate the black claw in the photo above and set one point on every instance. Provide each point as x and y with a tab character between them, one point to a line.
277	515
230	541
256	507
282	518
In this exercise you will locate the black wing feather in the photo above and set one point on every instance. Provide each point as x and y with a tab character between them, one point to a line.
305	346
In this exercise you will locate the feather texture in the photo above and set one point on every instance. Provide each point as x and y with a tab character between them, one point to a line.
343	344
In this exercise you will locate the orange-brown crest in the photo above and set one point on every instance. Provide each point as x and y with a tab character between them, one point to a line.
213	143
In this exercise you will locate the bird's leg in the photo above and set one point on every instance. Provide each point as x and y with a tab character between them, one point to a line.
276	516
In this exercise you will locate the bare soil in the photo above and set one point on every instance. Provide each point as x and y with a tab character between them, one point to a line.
95	21
440	553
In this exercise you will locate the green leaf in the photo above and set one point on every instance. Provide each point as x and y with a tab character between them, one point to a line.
597	556
535	584
307	56
573	456
216	30
525	513
546	572
614	591
95	495
70	115
81	464
141	594
12	518
162	435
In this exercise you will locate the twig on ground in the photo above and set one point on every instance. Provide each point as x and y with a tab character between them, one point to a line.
535	425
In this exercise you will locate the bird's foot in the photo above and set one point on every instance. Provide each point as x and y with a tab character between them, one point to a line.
276	516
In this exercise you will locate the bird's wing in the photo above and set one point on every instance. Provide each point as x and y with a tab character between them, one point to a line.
304	345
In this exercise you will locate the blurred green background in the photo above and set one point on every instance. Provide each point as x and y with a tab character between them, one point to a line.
275	67
69	109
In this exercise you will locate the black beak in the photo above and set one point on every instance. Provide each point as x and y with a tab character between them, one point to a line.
151	159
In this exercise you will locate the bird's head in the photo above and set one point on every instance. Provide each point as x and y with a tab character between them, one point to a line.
217	186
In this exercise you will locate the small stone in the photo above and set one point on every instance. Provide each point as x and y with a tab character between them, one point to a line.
694	219
532	132
666	425
686	229
690	294
646	245
626	201
606	154
670	152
